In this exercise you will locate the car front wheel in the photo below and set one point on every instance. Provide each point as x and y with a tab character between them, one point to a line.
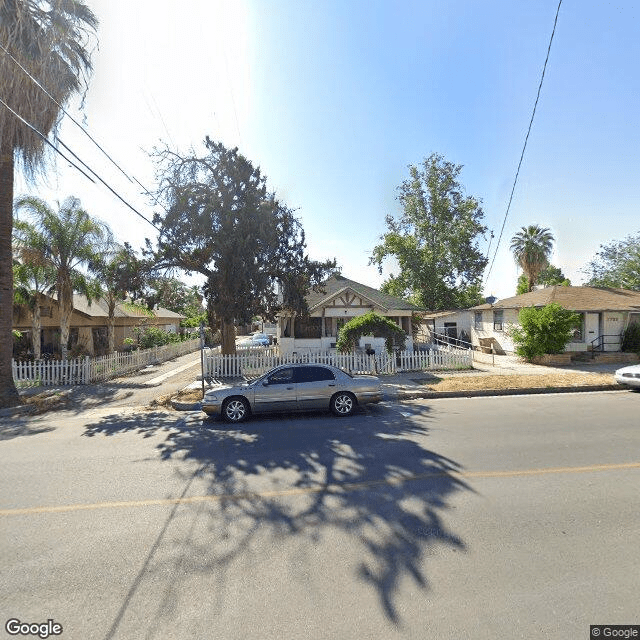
343	404
235	410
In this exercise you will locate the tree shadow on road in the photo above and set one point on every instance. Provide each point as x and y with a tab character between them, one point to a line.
369	479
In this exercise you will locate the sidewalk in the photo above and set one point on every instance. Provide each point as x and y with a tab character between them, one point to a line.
410	385
169	377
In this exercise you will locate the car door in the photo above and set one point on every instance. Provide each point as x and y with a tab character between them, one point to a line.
315	385
277	392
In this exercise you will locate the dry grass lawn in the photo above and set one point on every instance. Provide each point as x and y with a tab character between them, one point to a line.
475	383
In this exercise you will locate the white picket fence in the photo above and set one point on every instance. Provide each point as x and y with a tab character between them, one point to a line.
250	365
87	370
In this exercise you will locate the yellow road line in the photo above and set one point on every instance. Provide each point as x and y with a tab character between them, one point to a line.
333	488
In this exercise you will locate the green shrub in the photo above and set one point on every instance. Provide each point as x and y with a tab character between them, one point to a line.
155	337
366	325
546	330
631	338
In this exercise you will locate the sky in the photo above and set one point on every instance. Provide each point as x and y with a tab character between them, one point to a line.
333	99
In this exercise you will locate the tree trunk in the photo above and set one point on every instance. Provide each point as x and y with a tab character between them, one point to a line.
111	322
65	300
36	329
228	332
8	392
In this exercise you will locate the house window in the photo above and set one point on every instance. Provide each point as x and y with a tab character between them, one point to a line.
46	312
308	328
498	319
577	334
477	320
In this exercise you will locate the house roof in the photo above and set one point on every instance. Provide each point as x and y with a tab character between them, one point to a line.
338	283
99	309
573	298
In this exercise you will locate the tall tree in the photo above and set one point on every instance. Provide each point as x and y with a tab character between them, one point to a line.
549	277
616	264
435	240
531	248
66	239
173	294
119	272
50	39
33	277
221	221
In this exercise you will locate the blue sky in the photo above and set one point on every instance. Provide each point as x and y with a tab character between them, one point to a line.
334	99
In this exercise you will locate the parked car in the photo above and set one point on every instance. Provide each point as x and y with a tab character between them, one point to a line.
629	376
256	340
294	387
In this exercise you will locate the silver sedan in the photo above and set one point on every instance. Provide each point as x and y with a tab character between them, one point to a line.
294	387
629	376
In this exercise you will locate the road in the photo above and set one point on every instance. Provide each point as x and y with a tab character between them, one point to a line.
513	517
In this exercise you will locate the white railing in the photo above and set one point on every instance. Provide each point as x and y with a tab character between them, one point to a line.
249	365
87	370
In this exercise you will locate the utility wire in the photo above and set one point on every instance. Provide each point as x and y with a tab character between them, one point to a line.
83	129
525	142
41	135
73	164
66	113
115	193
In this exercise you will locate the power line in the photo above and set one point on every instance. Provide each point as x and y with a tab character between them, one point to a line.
17	115
83	129
544	68
43	137
65	112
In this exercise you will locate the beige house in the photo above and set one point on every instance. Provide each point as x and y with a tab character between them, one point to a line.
88	329
339	301
605	313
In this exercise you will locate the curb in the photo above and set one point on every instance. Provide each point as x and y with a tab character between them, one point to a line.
478	393
186	406
431	395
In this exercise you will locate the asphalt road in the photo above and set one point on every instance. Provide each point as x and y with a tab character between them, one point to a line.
513	517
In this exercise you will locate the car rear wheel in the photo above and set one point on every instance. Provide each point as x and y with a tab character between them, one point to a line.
235	410
343	404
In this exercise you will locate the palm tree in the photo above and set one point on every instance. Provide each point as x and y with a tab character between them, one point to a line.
66	240
531	248
49	39
119	272
33	278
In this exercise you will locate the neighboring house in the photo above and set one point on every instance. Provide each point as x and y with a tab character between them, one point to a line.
454	324
339	301
88	332
605	313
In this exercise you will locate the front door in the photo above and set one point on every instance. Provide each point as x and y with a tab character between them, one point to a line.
591	328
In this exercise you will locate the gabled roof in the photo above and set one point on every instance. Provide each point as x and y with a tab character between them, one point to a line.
572	298
337	283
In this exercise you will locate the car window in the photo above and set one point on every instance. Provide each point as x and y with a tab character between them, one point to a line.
314	374
281	376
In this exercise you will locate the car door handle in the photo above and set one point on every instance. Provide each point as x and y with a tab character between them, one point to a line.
289	388
332	384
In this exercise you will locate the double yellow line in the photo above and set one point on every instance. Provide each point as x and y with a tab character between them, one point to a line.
333	488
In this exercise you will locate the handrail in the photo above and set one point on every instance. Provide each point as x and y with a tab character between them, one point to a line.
453	342
602	342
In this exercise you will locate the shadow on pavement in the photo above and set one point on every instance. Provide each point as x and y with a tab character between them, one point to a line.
370	477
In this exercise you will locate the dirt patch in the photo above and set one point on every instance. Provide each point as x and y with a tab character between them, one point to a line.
186	395
551	380
47	401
